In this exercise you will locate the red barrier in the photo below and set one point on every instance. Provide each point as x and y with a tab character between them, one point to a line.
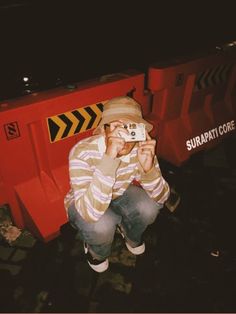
36	133
194	104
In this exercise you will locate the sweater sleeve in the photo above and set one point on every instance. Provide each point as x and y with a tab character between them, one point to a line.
154	183
92	187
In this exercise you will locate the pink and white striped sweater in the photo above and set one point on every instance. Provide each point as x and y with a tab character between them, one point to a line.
96	179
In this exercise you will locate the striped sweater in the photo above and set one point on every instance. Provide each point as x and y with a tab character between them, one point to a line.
96	179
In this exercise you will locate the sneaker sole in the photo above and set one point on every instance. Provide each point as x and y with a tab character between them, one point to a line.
100	267
136	250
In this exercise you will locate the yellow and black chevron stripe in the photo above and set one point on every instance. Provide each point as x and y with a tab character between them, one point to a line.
212	76
73	122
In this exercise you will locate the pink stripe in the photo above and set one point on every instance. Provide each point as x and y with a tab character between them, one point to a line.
89	154
103	178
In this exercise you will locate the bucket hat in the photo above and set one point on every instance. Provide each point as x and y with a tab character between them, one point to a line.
122	108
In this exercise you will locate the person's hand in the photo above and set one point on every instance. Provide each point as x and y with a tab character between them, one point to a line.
114	142
146	153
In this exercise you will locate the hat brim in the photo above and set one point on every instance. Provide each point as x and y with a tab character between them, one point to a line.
126	117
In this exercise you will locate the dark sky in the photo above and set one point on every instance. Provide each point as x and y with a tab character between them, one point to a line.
81	39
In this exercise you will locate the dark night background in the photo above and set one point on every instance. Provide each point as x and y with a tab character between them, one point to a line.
190	265
55	42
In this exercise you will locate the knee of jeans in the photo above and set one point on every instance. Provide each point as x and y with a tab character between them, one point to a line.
102	233
149	213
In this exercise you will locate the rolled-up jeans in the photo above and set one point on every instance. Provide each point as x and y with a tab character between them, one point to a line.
133	212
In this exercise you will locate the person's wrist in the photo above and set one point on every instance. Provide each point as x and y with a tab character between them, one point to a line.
111	153
147	169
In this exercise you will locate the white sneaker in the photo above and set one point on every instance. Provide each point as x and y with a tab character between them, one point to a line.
134	250
96	265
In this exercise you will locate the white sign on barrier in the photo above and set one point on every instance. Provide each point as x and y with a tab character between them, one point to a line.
210	135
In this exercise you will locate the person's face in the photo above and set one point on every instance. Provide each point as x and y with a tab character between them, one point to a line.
128	146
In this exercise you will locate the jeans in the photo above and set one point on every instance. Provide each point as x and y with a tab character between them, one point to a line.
133	212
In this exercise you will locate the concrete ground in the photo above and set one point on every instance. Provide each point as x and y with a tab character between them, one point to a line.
189	264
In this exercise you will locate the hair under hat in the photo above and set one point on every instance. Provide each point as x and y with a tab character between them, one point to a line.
122	108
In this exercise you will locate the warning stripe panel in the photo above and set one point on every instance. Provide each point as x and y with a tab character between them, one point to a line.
69	123
212	76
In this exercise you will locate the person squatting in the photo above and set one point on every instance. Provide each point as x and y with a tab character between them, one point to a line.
103	169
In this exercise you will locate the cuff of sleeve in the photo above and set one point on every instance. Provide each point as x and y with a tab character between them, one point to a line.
150	175
108	165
